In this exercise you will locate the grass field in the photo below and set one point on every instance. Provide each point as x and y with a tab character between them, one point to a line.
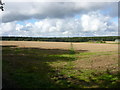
28	64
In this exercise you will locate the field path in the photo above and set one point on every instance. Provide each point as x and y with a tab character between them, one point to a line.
91	47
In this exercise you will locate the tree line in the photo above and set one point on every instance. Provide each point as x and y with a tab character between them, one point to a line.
61	39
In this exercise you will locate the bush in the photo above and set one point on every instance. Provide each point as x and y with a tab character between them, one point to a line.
72	51
101	41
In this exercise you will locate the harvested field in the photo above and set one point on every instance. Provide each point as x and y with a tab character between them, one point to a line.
91	47
30	64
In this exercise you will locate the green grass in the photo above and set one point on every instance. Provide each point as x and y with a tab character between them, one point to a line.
46	68
100	42
97	53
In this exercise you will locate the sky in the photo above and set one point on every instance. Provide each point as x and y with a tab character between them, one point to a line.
59	19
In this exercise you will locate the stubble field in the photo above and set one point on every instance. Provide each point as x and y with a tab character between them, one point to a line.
90	47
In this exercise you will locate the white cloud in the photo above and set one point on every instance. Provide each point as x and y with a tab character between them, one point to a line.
7	27
89	24
18	27
94	21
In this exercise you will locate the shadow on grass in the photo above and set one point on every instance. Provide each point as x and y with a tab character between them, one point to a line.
29	68
8	46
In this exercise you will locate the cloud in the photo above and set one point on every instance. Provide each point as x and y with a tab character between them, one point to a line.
94	21
15	11
56	19
89	24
